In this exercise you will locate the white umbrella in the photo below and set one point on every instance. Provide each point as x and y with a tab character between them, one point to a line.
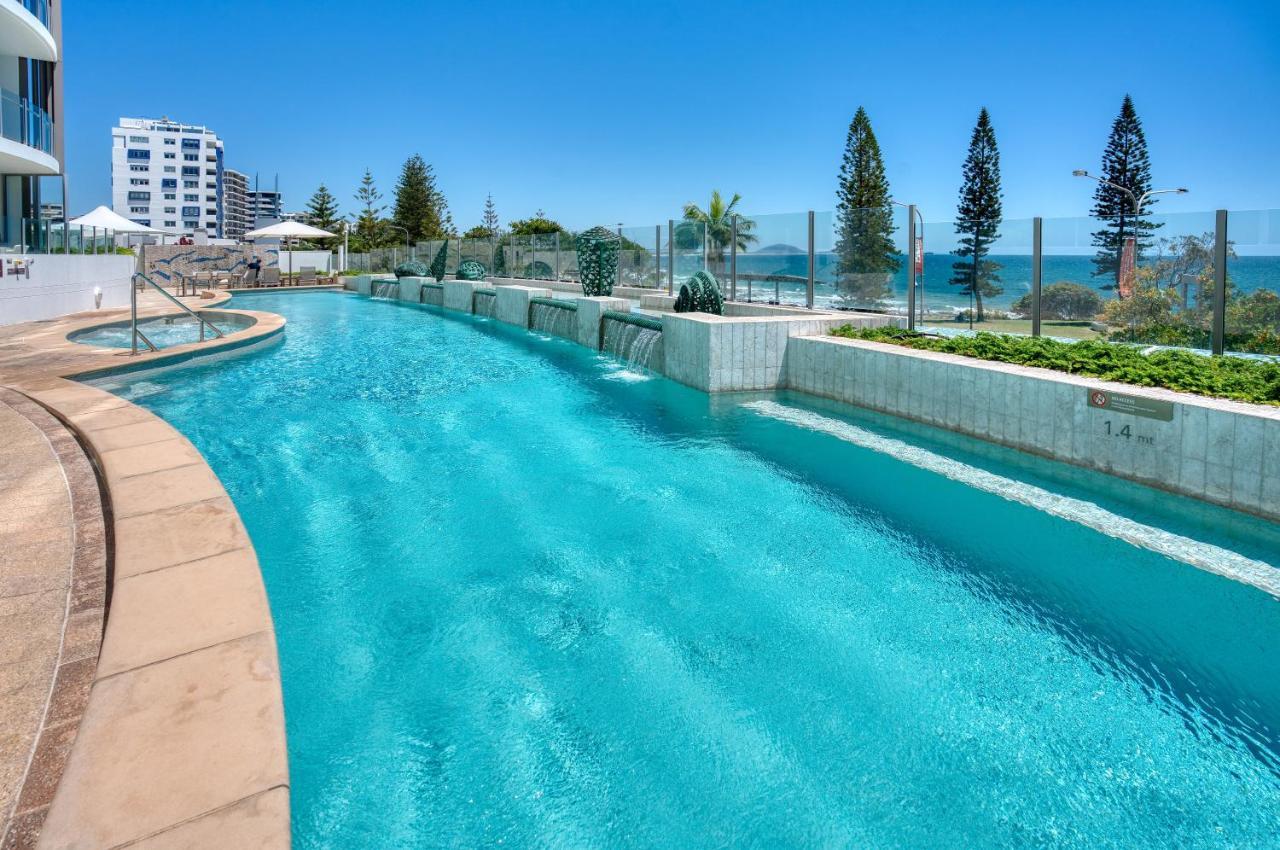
289	230
103	218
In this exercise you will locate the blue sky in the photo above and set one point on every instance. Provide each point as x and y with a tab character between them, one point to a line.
612	113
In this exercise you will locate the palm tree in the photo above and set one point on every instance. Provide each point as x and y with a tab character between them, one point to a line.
717	223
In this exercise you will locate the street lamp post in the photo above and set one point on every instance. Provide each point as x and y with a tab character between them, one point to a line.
1138	204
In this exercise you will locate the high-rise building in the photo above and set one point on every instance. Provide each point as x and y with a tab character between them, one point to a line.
168	175
30	120
265	205
237	218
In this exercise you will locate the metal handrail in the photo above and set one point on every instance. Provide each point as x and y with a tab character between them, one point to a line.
133	313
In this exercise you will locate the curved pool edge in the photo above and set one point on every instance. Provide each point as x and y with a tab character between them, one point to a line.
183	737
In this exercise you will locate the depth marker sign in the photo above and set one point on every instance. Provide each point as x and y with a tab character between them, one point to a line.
1134	405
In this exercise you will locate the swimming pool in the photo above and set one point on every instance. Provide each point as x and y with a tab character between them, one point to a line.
526	595
164	331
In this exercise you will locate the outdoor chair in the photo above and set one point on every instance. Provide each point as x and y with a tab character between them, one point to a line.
250	278
270	276
307	276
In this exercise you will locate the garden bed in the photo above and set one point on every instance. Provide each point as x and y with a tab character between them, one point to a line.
1239	379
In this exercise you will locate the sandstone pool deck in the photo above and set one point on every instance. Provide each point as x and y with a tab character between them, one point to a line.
181	742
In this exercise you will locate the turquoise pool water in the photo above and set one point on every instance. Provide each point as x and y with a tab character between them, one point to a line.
164	332
525	596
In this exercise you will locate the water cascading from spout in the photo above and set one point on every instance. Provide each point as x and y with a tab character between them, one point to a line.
558	318
636	339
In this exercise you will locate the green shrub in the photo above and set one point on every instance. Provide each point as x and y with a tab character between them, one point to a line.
700	294
1236	378
1066	301
538	270
437	265
412	268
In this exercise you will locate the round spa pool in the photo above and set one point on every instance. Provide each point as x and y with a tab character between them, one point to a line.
163	331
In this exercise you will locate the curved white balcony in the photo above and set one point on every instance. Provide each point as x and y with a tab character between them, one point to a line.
22	34
26	137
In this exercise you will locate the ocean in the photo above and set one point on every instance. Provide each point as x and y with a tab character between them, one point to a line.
1246	273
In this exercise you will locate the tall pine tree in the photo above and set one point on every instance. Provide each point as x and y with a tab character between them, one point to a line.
322	210
978	217
1125	163
420	207
864	219
490	220
370	232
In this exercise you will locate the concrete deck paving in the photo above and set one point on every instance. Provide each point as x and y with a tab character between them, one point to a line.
181	742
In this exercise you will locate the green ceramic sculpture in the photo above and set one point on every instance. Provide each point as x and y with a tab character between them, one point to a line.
437	265
597	260
700	294
470	270
412	268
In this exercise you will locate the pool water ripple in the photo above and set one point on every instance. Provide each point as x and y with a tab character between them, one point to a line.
518	601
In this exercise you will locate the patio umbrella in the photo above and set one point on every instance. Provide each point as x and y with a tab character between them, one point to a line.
103	218
289	230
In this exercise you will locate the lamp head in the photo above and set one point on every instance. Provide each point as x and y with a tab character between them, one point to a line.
1079	172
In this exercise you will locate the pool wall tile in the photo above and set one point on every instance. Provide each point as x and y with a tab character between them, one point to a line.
512	304
1220	451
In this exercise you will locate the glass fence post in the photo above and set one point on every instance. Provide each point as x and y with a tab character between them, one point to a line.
657	256
733	258
1037	272
557	255
808	295
618	278
1220	282
671	257
911	267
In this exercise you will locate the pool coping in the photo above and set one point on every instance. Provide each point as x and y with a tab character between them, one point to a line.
182	740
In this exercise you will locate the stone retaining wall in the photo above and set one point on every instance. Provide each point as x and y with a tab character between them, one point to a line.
1223	452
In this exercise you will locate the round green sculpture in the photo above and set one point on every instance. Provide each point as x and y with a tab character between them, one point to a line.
700	294
412	268
538	270
470	270
597	260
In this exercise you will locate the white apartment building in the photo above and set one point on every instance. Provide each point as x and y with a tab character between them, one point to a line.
237	217
168	175
30	120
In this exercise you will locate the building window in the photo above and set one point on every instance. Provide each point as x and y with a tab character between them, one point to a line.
170	224
145	222
191	225
139	196
168	183
190	197
170	196
168	141
138	140
190	212
191	144
139	168
170	155
138	181
134	153
191	184
191	157
169	169
170	210
143	210
190	171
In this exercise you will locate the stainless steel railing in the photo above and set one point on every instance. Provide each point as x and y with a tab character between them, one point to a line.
136	334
